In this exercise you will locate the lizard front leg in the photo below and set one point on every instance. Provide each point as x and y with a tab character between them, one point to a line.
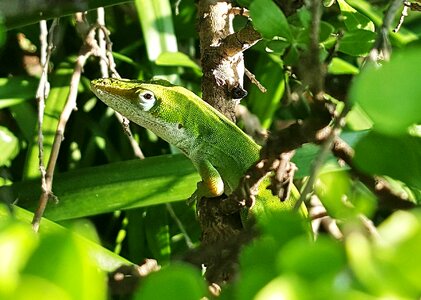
211	185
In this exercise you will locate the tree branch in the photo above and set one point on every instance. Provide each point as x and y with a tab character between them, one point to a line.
239	41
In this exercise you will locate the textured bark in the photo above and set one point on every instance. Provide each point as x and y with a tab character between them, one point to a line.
221	52
219	74
222	87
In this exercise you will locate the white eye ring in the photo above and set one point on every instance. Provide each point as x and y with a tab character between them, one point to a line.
146	100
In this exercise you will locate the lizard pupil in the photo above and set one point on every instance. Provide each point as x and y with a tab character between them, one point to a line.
148	96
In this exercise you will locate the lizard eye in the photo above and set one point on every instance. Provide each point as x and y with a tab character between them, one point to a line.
146	100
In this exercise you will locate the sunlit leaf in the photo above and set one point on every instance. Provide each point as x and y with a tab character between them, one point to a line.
269	20
353	19
182	282
358	42
15	90
73	270
339	66
123	185
157	27
176	59
390	94
59	82
397	157
325	256
9	146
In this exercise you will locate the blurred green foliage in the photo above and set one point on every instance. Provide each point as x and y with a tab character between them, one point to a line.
136	209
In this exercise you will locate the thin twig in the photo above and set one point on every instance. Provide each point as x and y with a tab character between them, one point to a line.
107	63
315	67
180	225
42	93
334	131
177	7
388	198
404	14
316	83
253	80
382	48
240	11
368	224
85	53
101	42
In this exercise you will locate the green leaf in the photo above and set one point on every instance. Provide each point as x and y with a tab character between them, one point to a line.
376	13
339	66
9	146
357	119
123	185
390	264
180	281
292	56
353	19
331	189
157	233
270	72
244	3
2	31
390	94
26	118
269	20
277	46
124	58
308	152
257	267
157	27
73	269
17	242
104	258
176	59
363	265
401	233
398	157
59	81
326	30
15	90
357	43
283	287
325	257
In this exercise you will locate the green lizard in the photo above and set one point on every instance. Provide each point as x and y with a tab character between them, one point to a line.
220	151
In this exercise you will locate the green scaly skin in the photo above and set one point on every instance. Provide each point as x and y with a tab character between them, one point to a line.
220	151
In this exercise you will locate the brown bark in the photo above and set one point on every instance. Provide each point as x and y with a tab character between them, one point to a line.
222	87
221	52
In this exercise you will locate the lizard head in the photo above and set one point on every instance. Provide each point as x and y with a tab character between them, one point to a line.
133	98
157	104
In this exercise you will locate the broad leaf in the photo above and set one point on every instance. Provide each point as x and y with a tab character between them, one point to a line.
9	146
353	19
181	282
390	94
339	66
122	185
397	157
357	43
269	20
15	90
177	59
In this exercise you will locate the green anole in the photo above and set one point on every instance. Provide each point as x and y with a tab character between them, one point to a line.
220	151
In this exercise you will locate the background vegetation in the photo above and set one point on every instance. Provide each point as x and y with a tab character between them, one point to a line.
109	208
